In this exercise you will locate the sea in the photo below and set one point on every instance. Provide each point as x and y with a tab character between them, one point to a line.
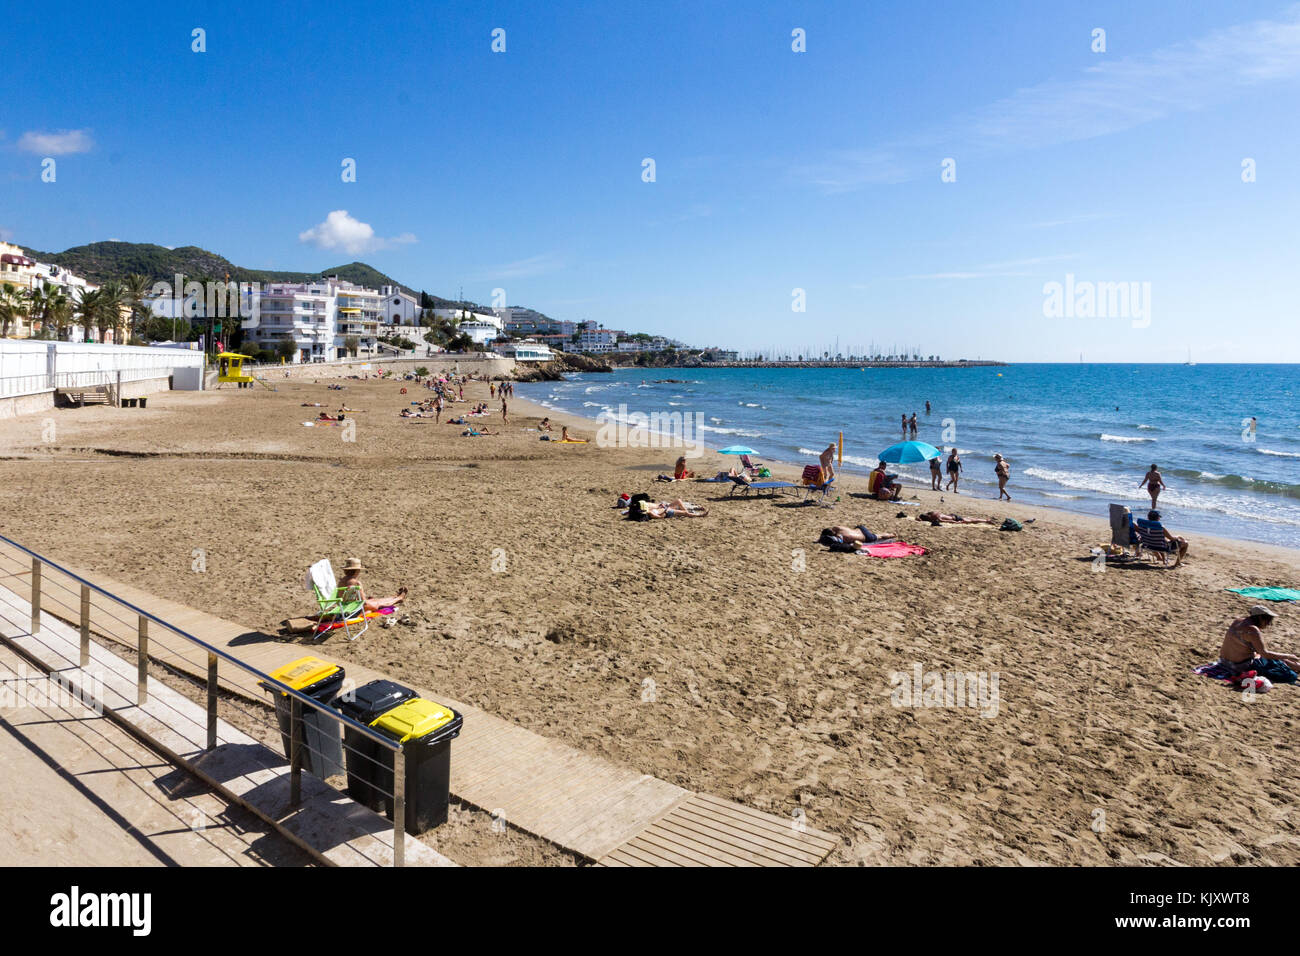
1078	436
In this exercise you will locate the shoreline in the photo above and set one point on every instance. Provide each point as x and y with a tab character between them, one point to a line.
854	483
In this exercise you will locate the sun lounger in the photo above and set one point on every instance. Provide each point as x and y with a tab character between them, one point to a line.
824	487
338	606
769	486
1122	532
751	468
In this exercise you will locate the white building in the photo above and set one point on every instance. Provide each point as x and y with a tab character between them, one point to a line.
359	312
24	273
481	332
400	308
525	351
303	313
597	340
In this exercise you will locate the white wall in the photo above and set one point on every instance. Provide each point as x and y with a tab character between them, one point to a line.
29	366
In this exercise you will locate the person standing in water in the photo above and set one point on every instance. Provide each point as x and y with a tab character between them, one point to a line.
954	470
904	420
1003	471
911	424
1155	483
936	473
927	409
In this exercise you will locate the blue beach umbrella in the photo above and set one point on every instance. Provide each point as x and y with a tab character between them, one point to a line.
741	450
908	452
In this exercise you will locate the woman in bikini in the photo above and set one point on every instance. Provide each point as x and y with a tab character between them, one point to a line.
352	579
1243	644
676	509
938	517
680	471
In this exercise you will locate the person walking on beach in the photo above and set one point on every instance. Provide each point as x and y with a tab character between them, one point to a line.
1155	483
954	470
936	473
437	410
1003	471
912	424
505	416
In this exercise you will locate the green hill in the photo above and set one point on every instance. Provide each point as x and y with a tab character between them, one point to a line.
105	261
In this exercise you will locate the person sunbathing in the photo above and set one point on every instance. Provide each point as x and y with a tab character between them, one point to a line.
676	509
1243	644
938	517
312	405
326	417
843	534
680	471
352	579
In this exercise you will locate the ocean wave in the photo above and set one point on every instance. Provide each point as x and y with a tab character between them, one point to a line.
1053	494
751	405
1279	454
1148	427
1121	489
731	431
1125	438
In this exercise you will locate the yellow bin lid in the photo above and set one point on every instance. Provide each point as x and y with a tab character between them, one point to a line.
413	719
304	672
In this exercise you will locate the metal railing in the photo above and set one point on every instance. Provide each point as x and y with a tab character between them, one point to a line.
297	700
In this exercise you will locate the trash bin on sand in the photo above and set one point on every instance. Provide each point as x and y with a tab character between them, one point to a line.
366	757
425	729
322	751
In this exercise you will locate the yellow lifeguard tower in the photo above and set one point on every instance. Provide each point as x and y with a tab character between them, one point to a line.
230	368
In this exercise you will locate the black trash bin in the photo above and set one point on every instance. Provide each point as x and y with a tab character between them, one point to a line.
320	680
425	730
364	757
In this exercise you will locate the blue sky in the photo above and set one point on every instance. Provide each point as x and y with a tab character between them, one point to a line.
774	170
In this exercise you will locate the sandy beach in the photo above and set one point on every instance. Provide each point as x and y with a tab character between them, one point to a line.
731	654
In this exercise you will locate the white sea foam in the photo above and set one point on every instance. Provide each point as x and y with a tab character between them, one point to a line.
1123	438
731	431
1279	454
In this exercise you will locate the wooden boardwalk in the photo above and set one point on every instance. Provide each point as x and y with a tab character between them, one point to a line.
584	804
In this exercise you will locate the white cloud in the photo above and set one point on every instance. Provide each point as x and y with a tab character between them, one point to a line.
56	142
342	231
1114	95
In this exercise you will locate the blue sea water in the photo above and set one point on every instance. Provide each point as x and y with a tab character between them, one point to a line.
1077	436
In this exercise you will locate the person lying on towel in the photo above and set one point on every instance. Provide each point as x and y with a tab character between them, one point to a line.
938	517
843	534
1243	645
676	509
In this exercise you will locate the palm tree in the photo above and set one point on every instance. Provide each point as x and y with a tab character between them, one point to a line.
58	316
108	317
88	307
134	288
45	300
13	307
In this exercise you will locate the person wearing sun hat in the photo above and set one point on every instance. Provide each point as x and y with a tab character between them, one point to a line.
352	569
1243	646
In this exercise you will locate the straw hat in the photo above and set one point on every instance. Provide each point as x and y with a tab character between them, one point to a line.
353	564
1261	611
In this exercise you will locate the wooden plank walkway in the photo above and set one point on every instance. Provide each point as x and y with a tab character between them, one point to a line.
584	804
326	823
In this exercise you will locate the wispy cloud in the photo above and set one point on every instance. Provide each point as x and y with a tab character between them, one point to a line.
342	231
1110	97
61	142
524	268
1014	268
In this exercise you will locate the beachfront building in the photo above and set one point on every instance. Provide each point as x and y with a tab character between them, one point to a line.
302	313
525	351
598	340
359	311
25	274
400	307
481	332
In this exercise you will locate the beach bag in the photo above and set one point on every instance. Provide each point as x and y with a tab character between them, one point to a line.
1011	524
638	509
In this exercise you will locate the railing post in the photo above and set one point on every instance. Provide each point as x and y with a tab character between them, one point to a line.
295	752
118	393
142	663
36	596
212	700
85	625
399	807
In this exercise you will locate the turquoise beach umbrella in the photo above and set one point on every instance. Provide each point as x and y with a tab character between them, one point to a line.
908	452
741	450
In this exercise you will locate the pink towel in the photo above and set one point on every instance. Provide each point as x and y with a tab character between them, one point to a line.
893	549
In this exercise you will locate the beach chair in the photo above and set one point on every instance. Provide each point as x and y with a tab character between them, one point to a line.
772	487
1123	534
1151	537
812	482
337	606
751	468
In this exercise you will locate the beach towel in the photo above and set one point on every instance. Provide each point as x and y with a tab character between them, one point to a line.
1268	594
893	549
1275	671
335	625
